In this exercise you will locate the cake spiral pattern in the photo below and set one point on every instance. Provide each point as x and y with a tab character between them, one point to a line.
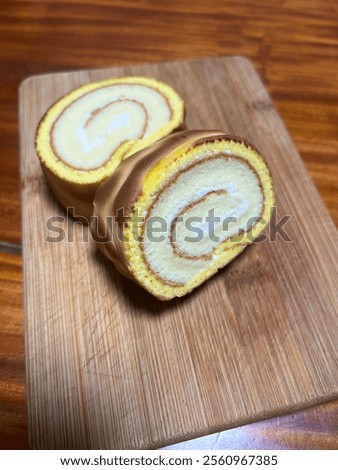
182	209
84	136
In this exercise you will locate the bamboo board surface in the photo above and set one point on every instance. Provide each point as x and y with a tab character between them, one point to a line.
109	366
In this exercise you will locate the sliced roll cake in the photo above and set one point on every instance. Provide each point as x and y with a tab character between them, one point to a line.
85	135
175	213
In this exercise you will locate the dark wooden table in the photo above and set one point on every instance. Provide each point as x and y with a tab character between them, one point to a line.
294	46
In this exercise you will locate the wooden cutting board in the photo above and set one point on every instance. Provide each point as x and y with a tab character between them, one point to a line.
109	366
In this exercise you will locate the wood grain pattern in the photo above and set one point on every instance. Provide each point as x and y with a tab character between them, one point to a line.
293	44
13	426
314	428
109	366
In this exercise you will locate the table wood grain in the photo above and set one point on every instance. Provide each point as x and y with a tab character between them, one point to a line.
294	46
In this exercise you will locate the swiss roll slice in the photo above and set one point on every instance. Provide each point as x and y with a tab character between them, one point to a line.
84	136
176	212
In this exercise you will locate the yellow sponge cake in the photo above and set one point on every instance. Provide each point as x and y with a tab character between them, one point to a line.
83	137
176	212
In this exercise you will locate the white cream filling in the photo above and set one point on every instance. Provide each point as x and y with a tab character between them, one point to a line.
88	131
221	188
